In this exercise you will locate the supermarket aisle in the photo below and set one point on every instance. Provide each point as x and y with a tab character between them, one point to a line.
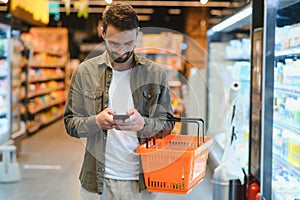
50	162
49	148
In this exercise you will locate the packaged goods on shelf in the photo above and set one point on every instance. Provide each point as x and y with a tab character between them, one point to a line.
284	181
281	42
293	36
151	41
163	42
46	59
165	49
45	78
52	114
4	66
3	125
291	72
3	104
3	47
3	85
37	74
238	49
33	41
277	140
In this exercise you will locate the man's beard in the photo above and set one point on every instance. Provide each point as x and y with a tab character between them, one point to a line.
120	59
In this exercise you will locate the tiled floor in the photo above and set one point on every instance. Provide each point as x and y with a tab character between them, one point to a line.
50	162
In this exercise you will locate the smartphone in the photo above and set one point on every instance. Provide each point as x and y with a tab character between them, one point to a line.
120	117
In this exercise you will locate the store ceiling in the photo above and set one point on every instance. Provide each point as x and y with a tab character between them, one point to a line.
149	10
218	9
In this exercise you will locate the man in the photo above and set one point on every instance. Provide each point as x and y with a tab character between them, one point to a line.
117	82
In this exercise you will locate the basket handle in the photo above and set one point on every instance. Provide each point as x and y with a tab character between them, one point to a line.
190	120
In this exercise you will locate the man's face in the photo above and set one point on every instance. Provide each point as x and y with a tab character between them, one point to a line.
120	44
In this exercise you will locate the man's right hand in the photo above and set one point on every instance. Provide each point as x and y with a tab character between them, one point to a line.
105	120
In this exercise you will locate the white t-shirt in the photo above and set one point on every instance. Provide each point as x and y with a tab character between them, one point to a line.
121	161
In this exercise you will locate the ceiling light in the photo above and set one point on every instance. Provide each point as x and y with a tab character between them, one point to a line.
203	1
4	1
108	1
243	14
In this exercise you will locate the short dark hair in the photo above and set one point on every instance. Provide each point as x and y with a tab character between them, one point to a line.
121	15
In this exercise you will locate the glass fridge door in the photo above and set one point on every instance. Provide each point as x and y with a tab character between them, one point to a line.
286	117
5	94
229	85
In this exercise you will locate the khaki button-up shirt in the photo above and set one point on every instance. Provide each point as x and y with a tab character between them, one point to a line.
88	96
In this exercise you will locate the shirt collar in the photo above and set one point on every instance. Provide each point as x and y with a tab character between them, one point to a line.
104	59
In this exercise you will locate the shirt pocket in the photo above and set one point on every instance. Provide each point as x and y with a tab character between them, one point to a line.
93	101
151	99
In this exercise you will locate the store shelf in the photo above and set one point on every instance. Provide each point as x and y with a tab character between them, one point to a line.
45	65
288	52
293	170
5	83
287	123
50	52
165	49
35	109
44	120
45	91
237	59
34	80
156	51
287	89
33	128
53	118
46	70
3	93
3	113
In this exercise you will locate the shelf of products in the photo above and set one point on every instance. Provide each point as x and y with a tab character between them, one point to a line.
286	127
46	71
165	48
18	79
18	89
5	84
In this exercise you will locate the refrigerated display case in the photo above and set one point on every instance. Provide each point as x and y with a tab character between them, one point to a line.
228	64
18	92
286	117
18	89
5	92
275	101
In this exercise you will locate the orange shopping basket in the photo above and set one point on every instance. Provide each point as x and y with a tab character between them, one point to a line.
176	163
